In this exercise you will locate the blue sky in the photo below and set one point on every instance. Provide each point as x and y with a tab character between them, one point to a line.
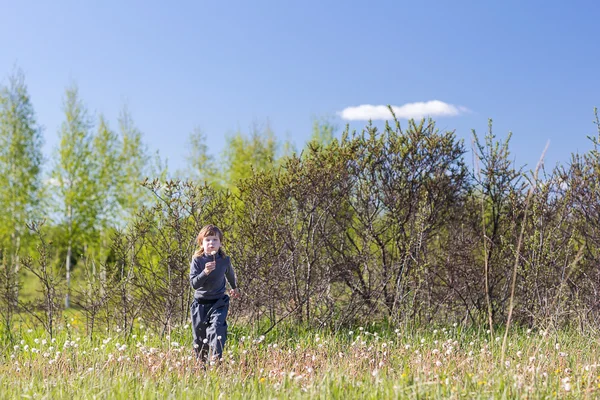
532	66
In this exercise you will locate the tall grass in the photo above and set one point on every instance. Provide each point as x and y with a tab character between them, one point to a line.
295	362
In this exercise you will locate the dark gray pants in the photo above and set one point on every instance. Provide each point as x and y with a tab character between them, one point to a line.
209	328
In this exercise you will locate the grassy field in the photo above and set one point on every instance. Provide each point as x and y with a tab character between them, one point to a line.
365	363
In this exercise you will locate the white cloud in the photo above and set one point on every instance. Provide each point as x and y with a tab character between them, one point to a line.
432	108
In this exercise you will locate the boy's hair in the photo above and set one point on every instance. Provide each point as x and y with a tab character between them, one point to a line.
208	230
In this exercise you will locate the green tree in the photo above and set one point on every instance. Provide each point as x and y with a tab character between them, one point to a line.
323	132
243	154
106	151
20	162
135	166
200	161
76	195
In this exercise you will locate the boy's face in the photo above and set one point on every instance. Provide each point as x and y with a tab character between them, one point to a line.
211	244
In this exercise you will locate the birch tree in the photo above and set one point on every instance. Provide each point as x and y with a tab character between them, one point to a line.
200	160
243	154
133	166
20	162
76	197
106	149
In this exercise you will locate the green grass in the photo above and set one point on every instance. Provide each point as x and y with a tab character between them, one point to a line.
295	362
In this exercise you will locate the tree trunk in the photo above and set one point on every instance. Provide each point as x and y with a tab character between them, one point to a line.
16	264
68	261
68	276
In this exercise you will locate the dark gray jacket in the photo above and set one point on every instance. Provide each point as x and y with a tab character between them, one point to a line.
211	286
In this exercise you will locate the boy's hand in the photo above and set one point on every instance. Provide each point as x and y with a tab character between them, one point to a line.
210	267
234	293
